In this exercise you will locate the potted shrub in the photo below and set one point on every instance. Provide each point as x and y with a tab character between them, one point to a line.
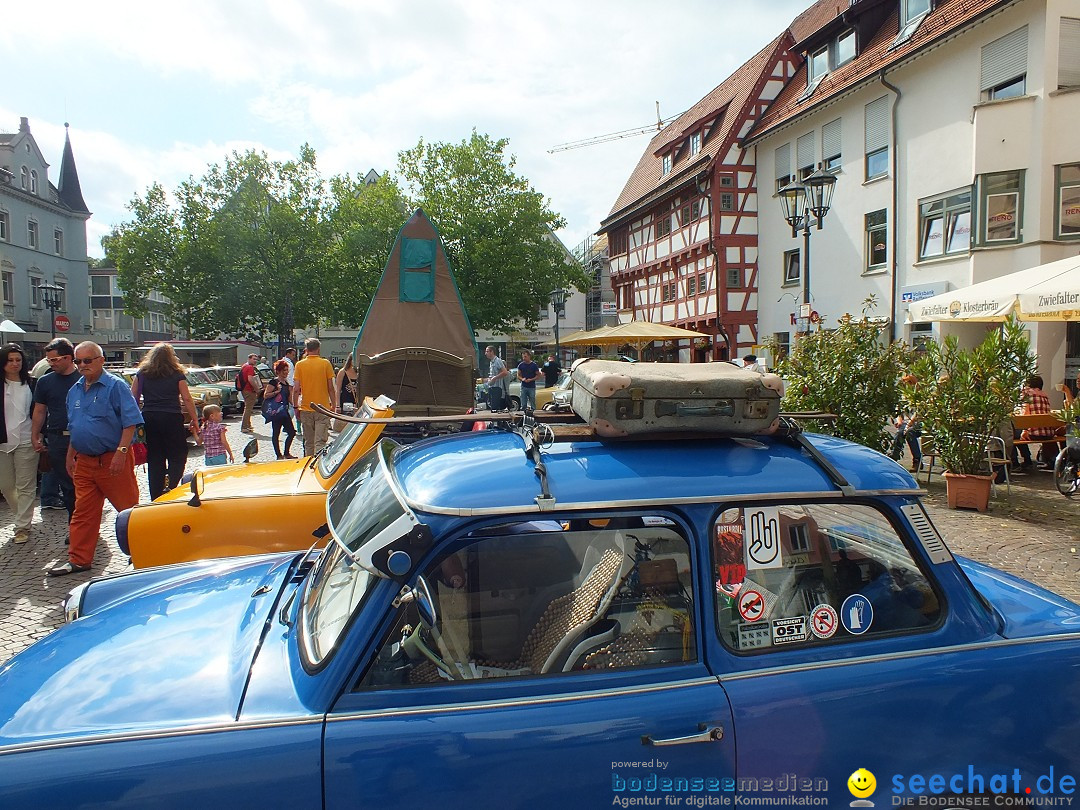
962	397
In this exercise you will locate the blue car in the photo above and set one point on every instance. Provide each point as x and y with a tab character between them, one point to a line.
510	619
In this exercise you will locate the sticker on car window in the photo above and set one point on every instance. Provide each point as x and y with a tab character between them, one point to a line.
763	538
751	605
788	631
730	568
857	614
754	636
824	621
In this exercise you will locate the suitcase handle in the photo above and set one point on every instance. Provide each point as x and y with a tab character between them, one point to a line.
664	408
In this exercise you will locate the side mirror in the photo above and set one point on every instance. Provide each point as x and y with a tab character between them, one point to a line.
198	483
420	594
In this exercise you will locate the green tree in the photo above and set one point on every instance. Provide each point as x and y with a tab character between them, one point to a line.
498	230
851	371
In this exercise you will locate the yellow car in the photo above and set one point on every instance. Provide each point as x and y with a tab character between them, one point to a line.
246	508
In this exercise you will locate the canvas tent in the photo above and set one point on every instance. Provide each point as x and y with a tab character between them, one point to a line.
417	302
1048	292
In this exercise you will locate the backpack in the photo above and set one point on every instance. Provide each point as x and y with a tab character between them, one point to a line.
239	381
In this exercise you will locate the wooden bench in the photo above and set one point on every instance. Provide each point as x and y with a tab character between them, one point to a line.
1039	420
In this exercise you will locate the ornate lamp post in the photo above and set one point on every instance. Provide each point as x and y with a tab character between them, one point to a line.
558	303
52	297
804	202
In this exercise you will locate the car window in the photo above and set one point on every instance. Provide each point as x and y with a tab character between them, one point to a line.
546	597
790	575
338	448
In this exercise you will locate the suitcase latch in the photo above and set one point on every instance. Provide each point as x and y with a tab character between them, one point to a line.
633	408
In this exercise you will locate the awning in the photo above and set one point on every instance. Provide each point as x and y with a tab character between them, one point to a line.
1048	292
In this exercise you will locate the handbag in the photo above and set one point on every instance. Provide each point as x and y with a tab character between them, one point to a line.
273	408
138	445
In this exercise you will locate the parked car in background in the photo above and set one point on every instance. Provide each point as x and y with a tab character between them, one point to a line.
246	508
775	613
230	397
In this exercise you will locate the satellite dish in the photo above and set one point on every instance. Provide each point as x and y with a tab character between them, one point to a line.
251	449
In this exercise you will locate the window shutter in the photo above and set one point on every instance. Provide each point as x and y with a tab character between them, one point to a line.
877	124
783	160
830	139
1069	53
804	150
1004	59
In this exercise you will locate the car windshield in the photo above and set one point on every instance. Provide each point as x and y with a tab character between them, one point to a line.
211	375
360	506
337	451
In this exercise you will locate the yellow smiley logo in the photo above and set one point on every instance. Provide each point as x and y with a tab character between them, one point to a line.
861	783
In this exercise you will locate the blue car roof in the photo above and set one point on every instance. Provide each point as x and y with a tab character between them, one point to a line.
488	472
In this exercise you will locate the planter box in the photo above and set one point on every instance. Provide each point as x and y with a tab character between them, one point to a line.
968	491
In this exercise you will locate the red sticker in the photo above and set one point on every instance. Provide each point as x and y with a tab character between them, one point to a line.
751	604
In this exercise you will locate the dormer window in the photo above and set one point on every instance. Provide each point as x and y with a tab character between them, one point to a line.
695	143
819	63
845	48
665	165
828	57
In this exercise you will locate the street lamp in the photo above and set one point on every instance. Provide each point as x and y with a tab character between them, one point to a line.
558	303
804	202
51	296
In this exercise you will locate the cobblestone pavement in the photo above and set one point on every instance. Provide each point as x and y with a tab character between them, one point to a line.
1033	533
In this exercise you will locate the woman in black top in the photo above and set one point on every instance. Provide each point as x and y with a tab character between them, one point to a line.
282	420
161	383
346	385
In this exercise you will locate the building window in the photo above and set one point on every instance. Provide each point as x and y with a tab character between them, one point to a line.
618	243
695	143
33	181
99	285
1004	66
830	146
783	344
36	299
5	226
734	278
804	153
912	13
9	287
665	165
727	201
782	163
1000	206
945	225
845	48
691	286
819	63
877	251
702	283
691	212
1068	197
24	177
58	242
791	267
31	234
663	225
668	291
877	138
1069	53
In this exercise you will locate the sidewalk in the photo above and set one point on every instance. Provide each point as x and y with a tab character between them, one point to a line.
1034	533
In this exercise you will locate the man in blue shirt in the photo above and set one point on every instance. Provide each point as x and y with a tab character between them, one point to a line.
49	422
102	417
527	372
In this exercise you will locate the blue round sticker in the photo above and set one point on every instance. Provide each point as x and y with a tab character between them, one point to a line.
857	614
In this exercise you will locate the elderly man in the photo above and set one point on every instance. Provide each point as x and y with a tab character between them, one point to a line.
314	385
102	417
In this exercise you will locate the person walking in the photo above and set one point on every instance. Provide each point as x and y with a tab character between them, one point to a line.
498	382
161	386
49	431
249	391
279	390
551	370
216	448
314	385
102	417
527	372
18	458
346	385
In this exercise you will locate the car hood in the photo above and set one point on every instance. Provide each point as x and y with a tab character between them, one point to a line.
1025	609
157	649
286	477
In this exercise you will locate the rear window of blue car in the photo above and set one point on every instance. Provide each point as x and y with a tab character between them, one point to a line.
805	574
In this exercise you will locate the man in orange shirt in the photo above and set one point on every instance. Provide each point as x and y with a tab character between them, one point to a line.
314	384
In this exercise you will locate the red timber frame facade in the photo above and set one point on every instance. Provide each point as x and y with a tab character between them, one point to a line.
703	259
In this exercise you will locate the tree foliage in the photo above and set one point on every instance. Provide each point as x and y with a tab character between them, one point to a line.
498	231
851	371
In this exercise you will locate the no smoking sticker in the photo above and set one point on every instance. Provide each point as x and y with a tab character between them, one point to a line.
824	621
751	604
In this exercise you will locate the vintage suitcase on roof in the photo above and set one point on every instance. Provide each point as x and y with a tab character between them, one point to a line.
623	399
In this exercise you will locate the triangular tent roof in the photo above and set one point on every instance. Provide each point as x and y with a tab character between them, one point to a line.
417	302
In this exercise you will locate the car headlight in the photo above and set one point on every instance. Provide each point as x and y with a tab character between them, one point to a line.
73	602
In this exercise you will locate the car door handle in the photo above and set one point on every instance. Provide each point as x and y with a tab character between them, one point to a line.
705	734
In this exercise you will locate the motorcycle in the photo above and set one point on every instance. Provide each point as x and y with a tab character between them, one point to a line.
1067	465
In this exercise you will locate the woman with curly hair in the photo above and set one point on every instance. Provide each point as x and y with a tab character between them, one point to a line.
160	386
18	458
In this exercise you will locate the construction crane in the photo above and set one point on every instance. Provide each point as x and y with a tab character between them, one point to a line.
616	136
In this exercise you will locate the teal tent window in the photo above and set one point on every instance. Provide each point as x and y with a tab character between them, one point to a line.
417	270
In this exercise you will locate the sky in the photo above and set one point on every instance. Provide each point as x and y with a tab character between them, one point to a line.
156	92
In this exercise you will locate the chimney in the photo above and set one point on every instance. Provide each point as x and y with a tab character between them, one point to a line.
24	124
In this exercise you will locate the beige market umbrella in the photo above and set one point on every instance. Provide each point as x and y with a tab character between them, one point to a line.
584	337
641	333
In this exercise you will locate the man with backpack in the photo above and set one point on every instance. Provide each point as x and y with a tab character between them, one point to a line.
249	385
